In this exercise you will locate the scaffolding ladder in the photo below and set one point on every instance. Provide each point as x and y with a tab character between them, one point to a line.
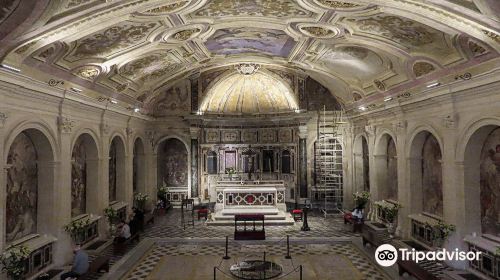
328	192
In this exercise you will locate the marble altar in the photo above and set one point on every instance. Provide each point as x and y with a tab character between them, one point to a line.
251	197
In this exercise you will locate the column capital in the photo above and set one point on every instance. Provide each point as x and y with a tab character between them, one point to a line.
370	130
303	131
194	132
3	119
65	124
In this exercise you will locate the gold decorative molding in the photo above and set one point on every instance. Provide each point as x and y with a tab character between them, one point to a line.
337	4
184	35
492	35
167	8
88	72
422	68
380	85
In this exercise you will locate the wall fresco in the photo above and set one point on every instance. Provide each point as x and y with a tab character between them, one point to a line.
432	179
112	171
173	164
490	184
22	188
78	178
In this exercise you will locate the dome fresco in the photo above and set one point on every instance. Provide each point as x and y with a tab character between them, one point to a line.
258	93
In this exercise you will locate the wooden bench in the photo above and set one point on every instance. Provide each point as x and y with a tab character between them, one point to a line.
414	270
149	218
120	248
100	263
250	231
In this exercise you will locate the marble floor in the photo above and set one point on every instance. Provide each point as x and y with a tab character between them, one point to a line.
169	250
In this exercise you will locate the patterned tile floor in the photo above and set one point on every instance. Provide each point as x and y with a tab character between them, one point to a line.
347	249
169	226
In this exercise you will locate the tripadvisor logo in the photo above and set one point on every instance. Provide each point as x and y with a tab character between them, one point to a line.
387	255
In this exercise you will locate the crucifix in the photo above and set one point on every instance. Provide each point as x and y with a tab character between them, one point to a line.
250	154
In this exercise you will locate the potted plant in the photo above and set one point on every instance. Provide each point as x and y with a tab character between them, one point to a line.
76	229
162	192
111	214
361	199
230	171
140	200
440	232
13	261
390	212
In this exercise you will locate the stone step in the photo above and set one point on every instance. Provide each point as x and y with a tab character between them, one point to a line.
266	217
254	210
286	222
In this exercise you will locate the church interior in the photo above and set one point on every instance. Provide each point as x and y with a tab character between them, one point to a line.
126	138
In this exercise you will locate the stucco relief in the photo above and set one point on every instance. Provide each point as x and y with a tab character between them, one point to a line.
432	178
257	8
175	100
422	68
250	40
22	188
173	164
150	67
111	40
78	178
404	31
490	184
169	8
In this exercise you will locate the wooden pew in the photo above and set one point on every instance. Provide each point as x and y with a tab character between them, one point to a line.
414	270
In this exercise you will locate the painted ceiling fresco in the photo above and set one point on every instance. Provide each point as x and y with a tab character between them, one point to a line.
256	8
150	67
111	40
250	40
136	51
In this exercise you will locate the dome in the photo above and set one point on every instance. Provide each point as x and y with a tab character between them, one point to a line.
258	93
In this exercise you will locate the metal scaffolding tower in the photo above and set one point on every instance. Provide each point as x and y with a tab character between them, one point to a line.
328	191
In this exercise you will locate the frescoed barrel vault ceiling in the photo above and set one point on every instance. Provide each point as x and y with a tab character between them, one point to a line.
135	51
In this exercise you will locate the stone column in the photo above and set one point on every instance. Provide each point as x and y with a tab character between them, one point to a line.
62	193
3	181
194	162
349	186
151	177
128	193
303	162
404	198
453	197
374	193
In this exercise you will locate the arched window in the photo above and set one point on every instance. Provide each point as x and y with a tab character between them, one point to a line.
212	162
286	162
